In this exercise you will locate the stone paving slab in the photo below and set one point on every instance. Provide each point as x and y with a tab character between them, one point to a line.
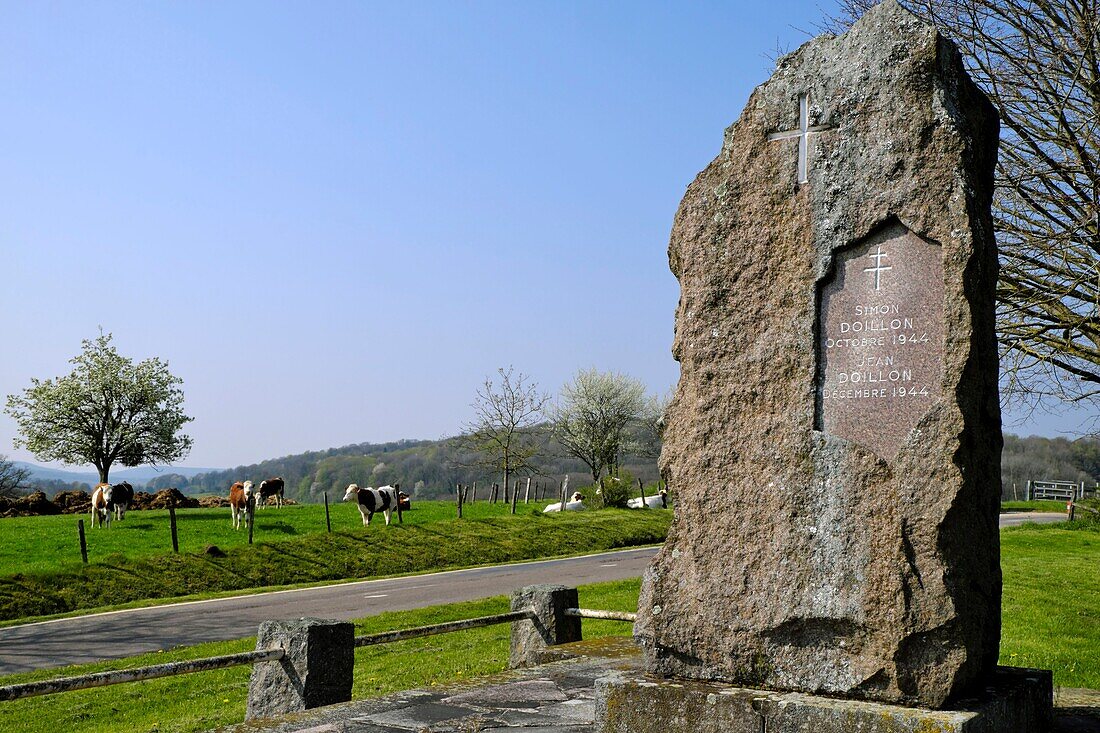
557	697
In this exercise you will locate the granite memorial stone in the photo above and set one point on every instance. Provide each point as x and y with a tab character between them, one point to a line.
834	440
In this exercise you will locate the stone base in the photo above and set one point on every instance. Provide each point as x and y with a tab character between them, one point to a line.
1016	700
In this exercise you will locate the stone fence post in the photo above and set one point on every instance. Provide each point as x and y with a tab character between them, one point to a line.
548	625
316	670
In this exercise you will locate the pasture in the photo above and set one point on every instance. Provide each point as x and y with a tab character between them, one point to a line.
49	544
1050	620
287	553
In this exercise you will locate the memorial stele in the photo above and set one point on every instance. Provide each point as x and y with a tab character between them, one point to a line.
833	444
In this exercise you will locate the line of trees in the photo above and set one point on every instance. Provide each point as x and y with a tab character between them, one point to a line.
598	419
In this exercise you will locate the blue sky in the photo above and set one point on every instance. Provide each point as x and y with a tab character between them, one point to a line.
334	219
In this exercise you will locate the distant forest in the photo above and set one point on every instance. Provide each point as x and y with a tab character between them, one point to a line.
431	468
427	469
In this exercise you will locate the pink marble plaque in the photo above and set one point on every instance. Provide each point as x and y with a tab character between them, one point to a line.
880	339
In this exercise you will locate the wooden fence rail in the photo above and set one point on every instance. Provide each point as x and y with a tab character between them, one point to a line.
606	615
170	669
445	628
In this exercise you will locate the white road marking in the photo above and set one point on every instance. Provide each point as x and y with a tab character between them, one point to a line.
610	565
378	595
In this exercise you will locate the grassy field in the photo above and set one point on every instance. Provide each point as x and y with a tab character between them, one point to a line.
1045	505
138	569
50	544
1051	619
1051	606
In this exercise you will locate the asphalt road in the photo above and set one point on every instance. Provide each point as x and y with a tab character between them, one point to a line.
125	633
1014	519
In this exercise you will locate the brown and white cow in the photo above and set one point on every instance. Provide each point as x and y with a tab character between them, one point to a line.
383	499
239	501
102	505
268	488
122	495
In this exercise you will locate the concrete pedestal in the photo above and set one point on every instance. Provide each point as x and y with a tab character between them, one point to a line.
1015	700
316	670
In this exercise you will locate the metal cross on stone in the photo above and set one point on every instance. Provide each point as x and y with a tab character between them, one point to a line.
879	267
803	135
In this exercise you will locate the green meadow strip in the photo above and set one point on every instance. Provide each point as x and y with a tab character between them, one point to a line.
356	553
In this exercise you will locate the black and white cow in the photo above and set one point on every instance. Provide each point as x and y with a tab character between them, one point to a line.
383	499
268	488
122	496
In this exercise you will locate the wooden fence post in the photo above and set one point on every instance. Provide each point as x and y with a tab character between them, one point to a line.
83	542
172	524
459	500
251	508
473	493
328	521
515	495
527	491
397	491
641	487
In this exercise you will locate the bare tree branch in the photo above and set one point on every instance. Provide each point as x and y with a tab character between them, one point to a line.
1039	62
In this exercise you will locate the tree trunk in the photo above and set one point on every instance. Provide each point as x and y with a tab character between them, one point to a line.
104	472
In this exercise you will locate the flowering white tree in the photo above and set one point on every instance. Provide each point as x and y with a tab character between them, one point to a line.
590	422
108	410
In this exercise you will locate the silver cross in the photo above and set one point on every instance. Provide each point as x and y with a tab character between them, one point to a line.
803	134
879	267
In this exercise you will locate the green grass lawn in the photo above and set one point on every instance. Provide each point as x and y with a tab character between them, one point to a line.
1050	613
49	544
138	569
1051	619
1045	505
205	700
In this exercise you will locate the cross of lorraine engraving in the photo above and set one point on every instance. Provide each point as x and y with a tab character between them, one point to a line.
803	135
879	268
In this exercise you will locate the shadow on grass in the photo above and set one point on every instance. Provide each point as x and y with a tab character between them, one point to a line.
282	527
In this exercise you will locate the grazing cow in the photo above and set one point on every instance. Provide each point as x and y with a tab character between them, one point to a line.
575	504
239	496
102	505
655	501
122	495
383	499
270	487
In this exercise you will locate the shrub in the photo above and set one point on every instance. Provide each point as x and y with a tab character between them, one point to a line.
615	491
